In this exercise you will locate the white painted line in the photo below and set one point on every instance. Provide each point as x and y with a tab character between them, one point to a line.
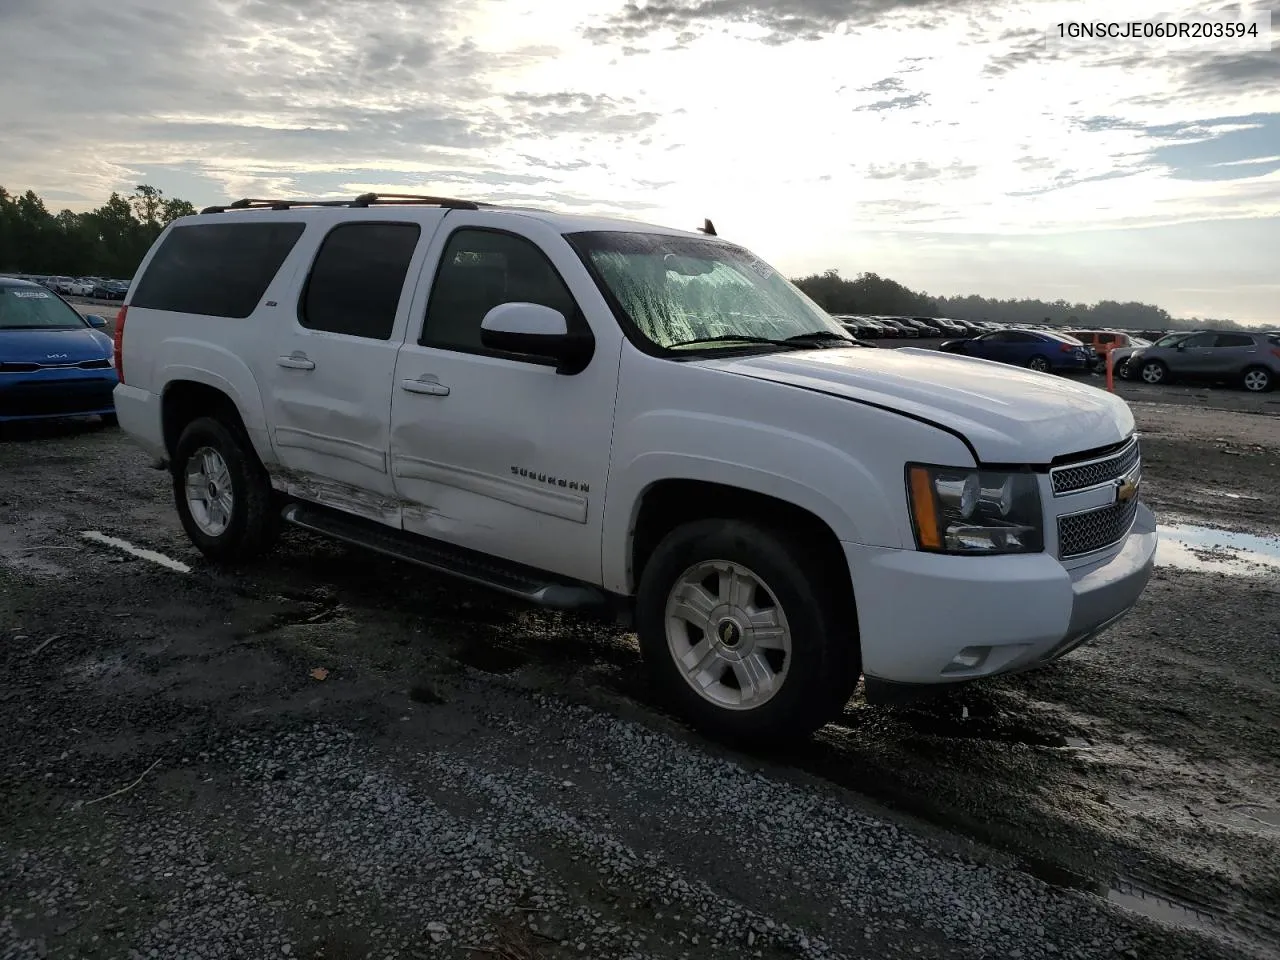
127	547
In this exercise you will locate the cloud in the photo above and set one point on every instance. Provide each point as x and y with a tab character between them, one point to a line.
919	170
780	21
905	102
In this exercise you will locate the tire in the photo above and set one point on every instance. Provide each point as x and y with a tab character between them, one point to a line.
1153	372
238	520
1039	363
1258	380
812	652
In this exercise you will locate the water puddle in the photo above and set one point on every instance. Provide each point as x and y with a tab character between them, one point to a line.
1185	546
1160	906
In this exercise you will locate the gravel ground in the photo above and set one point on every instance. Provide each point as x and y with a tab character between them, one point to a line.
330	754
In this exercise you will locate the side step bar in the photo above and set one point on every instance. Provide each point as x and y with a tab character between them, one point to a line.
502	575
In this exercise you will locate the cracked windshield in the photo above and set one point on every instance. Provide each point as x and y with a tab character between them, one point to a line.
689	293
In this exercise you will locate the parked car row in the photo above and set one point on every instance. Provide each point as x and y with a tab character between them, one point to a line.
895	328
99	288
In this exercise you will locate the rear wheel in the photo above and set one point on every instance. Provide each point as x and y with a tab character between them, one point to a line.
1258	380
744	633
1039	363
222	491
1153	371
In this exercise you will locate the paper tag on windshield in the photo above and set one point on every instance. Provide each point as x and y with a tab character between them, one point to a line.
31	294
759	266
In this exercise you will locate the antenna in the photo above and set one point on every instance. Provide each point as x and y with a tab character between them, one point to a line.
708	228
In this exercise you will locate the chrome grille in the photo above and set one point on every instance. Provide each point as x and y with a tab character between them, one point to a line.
1071	478
1081	533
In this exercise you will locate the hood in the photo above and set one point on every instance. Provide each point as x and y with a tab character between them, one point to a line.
47	346
1008	414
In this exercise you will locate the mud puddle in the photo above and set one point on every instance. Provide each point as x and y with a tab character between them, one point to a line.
1187	911
1185	546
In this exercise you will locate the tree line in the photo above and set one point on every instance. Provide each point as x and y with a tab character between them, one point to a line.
112	240
868	293
107	242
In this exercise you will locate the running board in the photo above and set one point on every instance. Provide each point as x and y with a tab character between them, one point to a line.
504	576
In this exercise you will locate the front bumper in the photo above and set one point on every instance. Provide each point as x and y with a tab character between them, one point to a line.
919	612
56	394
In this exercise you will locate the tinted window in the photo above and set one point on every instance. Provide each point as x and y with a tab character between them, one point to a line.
357	278
1234	340
1199	340
215	269
1017	336
481	269
1105	338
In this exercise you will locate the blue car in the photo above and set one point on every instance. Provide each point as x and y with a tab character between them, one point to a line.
1034	349
54	363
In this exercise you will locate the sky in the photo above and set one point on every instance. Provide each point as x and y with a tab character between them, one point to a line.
952	145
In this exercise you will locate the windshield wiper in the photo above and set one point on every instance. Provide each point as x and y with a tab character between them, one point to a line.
821	336
736	338
797	342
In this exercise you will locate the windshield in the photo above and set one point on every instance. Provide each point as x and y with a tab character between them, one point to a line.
679	292
1171	339
32	308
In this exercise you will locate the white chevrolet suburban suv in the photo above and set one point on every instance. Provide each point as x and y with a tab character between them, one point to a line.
603	415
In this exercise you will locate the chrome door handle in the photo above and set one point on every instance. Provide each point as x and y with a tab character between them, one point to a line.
296	363
432	388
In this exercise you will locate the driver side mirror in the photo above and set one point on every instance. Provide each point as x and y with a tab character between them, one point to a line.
536	331
96	321
1180	347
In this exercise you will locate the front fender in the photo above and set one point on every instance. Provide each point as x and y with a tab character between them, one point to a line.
678	445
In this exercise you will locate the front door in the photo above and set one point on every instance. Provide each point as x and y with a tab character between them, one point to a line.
498	452
331	369
1194	355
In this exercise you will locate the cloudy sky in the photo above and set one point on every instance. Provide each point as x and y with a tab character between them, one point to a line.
943	143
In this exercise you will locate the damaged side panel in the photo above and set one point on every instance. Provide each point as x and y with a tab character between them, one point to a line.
340	496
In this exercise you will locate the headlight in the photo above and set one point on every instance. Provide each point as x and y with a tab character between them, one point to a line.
959	510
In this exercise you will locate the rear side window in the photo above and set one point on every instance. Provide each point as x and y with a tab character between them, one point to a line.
357	278
1234	340
215	269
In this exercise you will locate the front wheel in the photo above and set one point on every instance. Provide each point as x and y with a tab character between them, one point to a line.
1039	364
1153	371
744	633
1258	380
222	492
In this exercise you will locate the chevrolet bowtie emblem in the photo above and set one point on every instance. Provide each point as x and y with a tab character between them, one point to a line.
1126	490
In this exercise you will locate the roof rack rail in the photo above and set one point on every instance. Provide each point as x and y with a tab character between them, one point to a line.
364	200
252	204
368	199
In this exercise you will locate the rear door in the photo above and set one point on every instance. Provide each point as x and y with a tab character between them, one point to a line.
1232	352
330	373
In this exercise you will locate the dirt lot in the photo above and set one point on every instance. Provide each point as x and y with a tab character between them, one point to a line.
329	754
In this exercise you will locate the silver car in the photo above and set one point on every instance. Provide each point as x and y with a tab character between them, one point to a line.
1250	359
